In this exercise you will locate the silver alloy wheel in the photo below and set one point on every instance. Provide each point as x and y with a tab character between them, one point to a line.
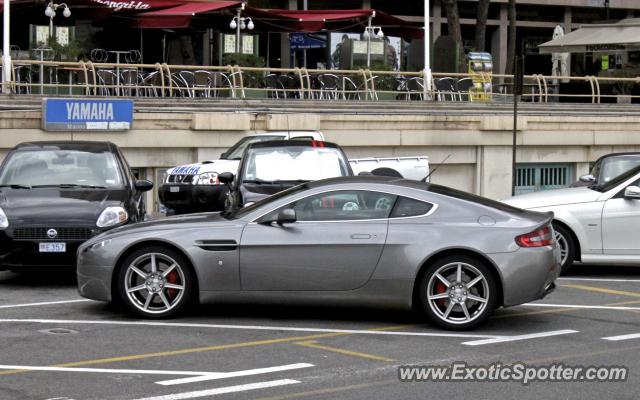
458	293
564	247
154	283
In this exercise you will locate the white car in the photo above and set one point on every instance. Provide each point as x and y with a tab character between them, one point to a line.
594	224
195	187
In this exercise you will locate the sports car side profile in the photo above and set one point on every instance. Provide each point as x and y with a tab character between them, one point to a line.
376	241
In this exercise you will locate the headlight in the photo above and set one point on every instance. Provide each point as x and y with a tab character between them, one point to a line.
112	216
4	222
208	178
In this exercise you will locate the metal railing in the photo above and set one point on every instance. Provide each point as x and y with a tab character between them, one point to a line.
88	78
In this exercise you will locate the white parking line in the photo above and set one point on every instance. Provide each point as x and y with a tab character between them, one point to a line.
519	337
622	337
45	303
223	375
223	390
621	308
599	279
105	370
246	327
194	376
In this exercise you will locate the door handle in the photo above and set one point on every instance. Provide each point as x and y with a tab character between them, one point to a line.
360	236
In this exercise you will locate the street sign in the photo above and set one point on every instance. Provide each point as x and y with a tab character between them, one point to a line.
86	115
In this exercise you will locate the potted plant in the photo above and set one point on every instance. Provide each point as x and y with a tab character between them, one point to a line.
251	80
622	88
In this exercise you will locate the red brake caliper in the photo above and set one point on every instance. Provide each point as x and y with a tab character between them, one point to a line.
440	288
172	278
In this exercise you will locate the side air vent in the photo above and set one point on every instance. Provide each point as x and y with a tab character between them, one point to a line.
217	245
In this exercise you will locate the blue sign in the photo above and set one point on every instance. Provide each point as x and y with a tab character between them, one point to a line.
86	115
304	41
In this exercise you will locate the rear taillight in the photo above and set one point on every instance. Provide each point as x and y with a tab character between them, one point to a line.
538	238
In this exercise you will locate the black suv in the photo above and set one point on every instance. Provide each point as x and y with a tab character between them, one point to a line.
273	166
56	195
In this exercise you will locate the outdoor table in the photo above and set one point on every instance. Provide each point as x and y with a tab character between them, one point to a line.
41	73
117	53
71	71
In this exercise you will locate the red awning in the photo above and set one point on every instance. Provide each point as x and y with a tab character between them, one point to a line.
191	8
179	16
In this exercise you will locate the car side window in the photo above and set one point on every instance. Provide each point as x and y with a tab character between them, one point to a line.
406	207
342	205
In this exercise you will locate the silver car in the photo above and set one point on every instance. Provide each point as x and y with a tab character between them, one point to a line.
595	224
367	240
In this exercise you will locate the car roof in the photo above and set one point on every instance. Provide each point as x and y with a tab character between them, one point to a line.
628	153
291	143
88	146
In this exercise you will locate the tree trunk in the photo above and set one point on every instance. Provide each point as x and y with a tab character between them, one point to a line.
511	47
453	22
481	24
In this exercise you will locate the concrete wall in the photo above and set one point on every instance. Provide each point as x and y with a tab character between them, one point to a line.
479	145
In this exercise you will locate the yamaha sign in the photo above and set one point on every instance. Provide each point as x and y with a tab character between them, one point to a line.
86	115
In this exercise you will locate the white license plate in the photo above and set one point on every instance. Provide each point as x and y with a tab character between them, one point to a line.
53	247
174	189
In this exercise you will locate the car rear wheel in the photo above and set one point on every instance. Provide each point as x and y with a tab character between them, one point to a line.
155	282
458	292
567	247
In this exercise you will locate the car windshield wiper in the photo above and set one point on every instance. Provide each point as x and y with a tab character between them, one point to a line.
71	185
17	186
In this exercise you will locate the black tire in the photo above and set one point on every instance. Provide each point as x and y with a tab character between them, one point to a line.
447	311
567	246
180	275
386	172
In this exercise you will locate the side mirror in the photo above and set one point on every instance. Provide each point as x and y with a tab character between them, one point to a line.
588	178
632	192
226	178
223	156
286	216
143	185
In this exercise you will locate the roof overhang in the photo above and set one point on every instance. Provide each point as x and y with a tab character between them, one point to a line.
622	36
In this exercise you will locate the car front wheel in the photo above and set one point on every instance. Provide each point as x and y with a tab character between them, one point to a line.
155	282
458	292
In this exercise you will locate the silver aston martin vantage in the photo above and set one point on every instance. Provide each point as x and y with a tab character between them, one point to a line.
376	241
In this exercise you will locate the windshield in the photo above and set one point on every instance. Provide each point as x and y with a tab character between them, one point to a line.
239	213
614	166
236	152
293	163
61	168
606	186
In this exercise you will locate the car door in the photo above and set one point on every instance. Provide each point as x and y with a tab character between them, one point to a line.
334	245
620	221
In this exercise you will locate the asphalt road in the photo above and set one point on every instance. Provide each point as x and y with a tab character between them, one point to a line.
55	345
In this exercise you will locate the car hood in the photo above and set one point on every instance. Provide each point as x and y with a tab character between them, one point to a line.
48	206
174	223
548	198
217	166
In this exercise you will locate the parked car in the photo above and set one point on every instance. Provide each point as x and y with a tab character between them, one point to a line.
271	167
56	195
608	167
594	224
196	187
371	240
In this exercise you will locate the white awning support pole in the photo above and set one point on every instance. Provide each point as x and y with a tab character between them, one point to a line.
427	51
6	49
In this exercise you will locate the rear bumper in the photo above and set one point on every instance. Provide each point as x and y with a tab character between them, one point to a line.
193	198
528	274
